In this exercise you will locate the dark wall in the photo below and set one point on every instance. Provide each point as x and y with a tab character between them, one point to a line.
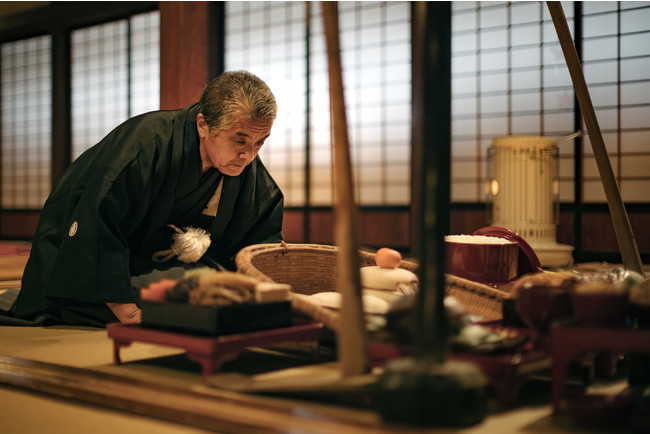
391	228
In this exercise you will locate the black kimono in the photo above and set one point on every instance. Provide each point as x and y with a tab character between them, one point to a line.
111	210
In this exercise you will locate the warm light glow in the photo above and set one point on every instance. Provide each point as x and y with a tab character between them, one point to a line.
494	187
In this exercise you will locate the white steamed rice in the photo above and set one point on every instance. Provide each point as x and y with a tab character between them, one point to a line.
476	239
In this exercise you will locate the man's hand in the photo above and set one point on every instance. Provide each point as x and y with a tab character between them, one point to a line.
126	312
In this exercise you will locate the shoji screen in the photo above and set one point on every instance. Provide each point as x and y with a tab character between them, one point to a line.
616	63
272	40
115	75
26	122
508	78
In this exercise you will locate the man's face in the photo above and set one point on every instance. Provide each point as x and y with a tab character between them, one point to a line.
231	150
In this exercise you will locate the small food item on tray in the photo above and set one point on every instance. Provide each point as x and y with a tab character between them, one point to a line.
477	338
268	292
196	272
387	276
219	302
181	292
397	280
388	258
224	288
332	300
383	285
229	279
217	295
386	280
157	291
209	287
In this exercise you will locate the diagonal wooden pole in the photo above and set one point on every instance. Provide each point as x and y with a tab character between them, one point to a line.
626	243
351	338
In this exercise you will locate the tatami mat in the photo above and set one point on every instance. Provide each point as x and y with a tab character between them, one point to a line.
13	257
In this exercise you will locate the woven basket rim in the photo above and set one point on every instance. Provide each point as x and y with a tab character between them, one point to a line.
481	298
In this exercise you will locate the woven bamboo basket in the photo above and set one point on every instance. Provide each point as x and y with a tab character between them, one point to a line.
311	268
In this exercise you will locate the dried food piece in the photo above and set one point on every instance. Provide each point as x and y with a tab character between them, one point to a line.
228	279
181	292
267	292
156	291
219	295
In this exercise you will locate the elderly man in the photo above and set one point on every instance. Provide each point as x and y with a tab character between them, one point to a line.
105	224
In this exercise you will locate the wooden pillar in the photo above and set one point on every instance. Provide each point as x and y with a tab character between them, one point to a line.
187	53
61	103
431	151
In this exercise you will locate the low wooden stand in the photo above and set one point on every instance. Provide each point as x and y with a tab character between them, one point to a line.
569	341
211	351
506	372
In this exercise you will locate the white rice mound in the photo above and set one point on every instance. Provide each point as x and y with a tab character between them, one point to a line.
476	239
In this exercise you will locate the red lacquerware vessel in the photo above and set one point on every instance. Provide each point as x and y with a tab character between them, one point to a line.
527	262
490	264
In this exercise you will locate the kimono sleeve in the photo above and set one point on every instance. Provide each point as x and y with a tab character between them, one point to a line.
92	264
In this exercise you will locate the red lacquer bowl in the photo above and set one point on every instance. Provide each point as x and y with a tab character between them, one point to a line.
484	263
528	262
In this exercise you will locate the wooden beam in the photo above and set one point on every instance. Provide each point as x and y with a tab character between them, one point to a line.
61	103
70	15
184	52
204	408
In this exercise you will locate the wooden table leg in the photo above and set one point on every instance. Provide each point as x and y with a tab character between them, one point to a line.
117	345
210	363
561	360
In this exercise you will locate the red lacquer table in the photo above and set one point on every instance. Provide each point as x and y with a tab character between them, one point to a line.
211	351
504	371
569	341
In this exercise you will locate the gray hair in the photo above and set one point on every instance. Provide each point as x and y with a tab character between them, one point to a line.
235	95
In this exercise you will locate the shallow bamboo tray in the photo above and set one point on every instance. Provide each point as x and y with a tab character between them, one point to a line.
311	268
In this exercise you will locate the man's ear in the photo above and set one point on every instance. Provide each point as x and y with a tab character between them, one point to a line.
202	126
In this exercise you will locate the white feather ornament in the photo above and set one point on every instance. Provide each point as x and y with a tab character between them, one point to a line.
189	245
